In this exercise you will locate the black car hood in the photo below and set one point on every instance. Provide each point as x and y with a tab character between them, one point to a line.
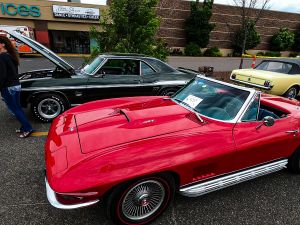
57	60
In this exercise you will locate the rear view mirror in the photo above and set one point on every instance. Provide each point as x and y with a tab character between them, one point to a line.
268	121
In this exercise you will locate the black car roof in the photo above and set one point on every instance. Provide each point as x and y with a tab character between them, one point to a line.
125	55
295	61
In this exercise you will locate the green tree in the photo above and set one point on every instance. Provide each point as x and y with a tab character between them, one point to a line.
130	26
197	25
252	40
296	46
282	40
249	10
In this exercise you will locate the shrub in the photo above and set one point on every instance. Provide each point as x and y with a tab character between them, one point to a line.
192	49
272	54
236	53
282	40
212	52
260	54
176	52
293	54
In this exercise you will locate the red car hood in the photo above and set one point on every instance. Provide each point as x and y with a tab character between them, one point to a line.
99	129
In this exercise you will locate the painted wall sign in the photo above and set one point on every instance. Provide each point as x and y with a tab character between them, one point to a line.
75	12
12	9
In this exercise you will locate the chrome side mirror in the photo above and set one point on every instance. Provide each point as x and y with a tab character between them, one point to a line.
268	121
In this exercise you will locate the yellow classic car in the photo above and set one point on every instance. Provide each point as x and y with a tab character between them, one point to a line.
277	77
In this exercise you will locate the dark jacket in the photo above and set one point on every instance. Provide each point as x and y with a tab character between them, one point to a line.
8	71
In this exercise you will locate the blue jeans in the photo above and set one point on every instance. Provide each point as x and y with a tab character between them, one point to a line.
9	110
12	100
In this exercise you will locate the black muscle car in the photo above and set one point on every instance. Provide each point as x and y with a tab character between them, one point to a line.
50	92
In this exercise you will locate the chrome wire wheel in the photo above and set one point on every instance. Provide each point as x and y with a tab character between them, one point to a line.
143	200
49	108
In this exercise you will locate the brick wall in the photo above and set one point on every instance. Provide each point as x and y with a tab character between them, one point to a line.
227	20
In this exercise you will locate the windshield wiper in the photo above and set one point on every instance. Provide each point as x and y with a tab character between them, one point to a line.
183	103
199	117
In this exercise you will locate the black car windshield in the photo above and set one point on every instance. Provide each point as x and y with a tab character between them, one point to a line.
274	66
212	99
91	68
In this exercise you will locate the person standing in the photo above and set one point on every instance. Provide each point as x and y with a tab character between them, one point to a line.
10	86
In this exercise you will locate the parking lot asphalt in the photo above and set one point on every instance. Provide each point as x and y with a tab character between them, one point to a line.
272	199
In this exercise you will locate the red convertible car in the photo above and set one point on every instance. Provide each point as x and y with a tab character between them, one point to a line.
134	154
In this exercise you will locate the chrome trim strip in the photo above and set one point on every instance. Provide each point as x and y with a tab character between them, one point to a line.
166	83
250	84
232	179
34	79
53	88
174	82
54	202
258	94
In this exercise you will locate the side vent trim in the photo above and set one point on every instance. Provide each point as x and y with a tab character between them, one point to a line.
232	179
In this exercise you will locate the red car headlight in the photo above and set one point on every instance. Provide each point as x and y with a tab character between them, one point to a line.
57	161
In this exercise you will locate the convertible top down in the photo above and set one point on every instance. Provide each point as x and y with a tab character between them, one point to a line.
134	153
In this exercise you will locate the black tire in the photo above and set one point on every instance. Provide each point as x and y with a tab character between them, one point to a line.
168	92
138	194
294	162
46	107
292	92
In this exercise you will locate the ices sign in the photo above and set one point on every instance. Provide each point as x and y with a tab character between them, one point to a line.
11	9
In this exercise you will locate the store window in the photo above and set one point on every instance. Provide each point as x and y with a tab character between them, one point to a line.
70	41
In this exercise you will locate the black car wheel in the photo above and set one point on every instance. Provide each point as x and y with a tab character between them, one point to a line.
294	162
46	107
141	201
292	92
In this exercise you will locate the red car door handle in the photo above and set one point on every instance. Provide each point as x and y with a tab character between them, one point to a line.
292	132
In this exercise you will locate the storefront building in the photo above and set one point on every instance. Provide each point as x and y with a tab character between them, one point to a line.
62	26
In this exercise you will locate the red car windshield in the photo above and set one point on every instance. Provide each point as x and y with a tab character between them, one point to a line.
212	99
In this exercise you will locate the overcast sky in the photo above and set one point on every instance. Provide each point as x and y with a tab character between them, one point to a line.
281	5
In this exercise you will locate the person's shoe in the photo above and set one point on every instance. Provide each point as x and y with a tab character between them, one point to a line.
25	134
19	131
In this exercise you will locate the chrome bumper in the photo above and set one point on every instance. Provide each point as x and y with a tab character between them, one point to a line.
54	202
250	84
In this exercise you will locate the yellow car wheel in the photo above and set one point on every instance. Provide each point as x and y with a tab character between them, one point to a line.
292	92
